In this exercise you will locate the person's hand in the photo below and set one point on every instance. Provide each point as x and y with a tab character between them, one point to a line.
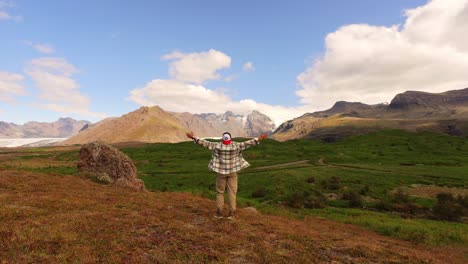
262	137
190	135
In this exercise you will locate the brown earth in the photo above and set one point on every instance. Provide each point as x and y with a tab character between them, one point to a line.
432	191
55	219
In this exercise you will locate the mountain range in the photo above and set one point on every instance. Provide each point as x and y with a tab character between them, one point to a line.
153	124
412	111
62	128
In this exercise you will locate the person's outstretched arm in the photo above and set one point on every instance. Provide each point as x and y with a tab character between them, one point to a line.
252	142
199	141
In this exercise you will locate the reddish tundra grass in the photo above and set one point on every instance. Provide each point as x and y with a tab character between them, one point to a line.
55	219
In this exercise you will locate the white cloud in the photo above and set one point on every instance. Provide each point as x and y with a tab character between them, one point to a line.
58	91
10	86
54	64
197	67
185	93
248	66
361	62
6	4
43	48
231	78
6	16
173	95
371	64
40	47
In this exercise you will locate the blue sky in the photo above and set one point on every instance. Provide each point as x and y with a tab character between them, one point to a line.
101	51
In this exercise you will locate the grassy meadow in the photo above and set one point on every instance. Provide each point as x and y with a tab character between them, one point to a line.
373	180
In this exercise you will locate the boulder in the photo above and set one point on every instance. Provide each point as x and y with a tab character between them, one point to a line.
251	210
108	165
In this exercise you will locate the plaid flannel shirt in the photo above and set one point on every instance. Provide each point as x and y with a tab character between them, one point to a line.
227	159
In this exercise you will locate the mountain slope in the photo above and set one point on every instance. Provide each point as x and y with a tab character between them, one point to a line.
200	126
209	125
153	124
257	123
62	128
10	130
413	111
70	218
411	99
147	124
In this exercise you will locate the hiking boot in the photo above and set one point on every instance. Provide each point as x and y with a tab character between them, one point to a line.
232	215
218	214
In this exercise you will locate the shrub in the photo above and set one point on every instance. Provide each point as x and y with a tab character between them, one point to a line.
407	208
353	198
259	193
401	196
365	190
333	183
383	205
463	200
295	200
307	199
445	197
448	208
315	200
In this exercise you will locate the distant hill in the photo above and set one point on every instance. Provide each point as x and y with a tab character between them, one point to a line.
62	128
414	99
412	111
147	124
153	124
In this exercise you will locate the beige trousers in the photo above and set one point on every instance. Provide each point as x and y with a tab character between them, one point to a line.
223	181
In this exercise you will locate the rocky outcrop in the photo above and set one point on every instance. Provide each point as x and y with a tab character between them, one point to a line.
412	99
107	164
343	107
258	123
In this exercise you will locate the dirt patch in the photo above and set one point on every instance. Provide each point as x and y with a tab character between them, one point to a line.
432	191
39	163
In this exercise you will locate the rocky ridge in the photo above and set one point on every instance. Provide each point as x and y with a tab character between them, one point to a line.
413	111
